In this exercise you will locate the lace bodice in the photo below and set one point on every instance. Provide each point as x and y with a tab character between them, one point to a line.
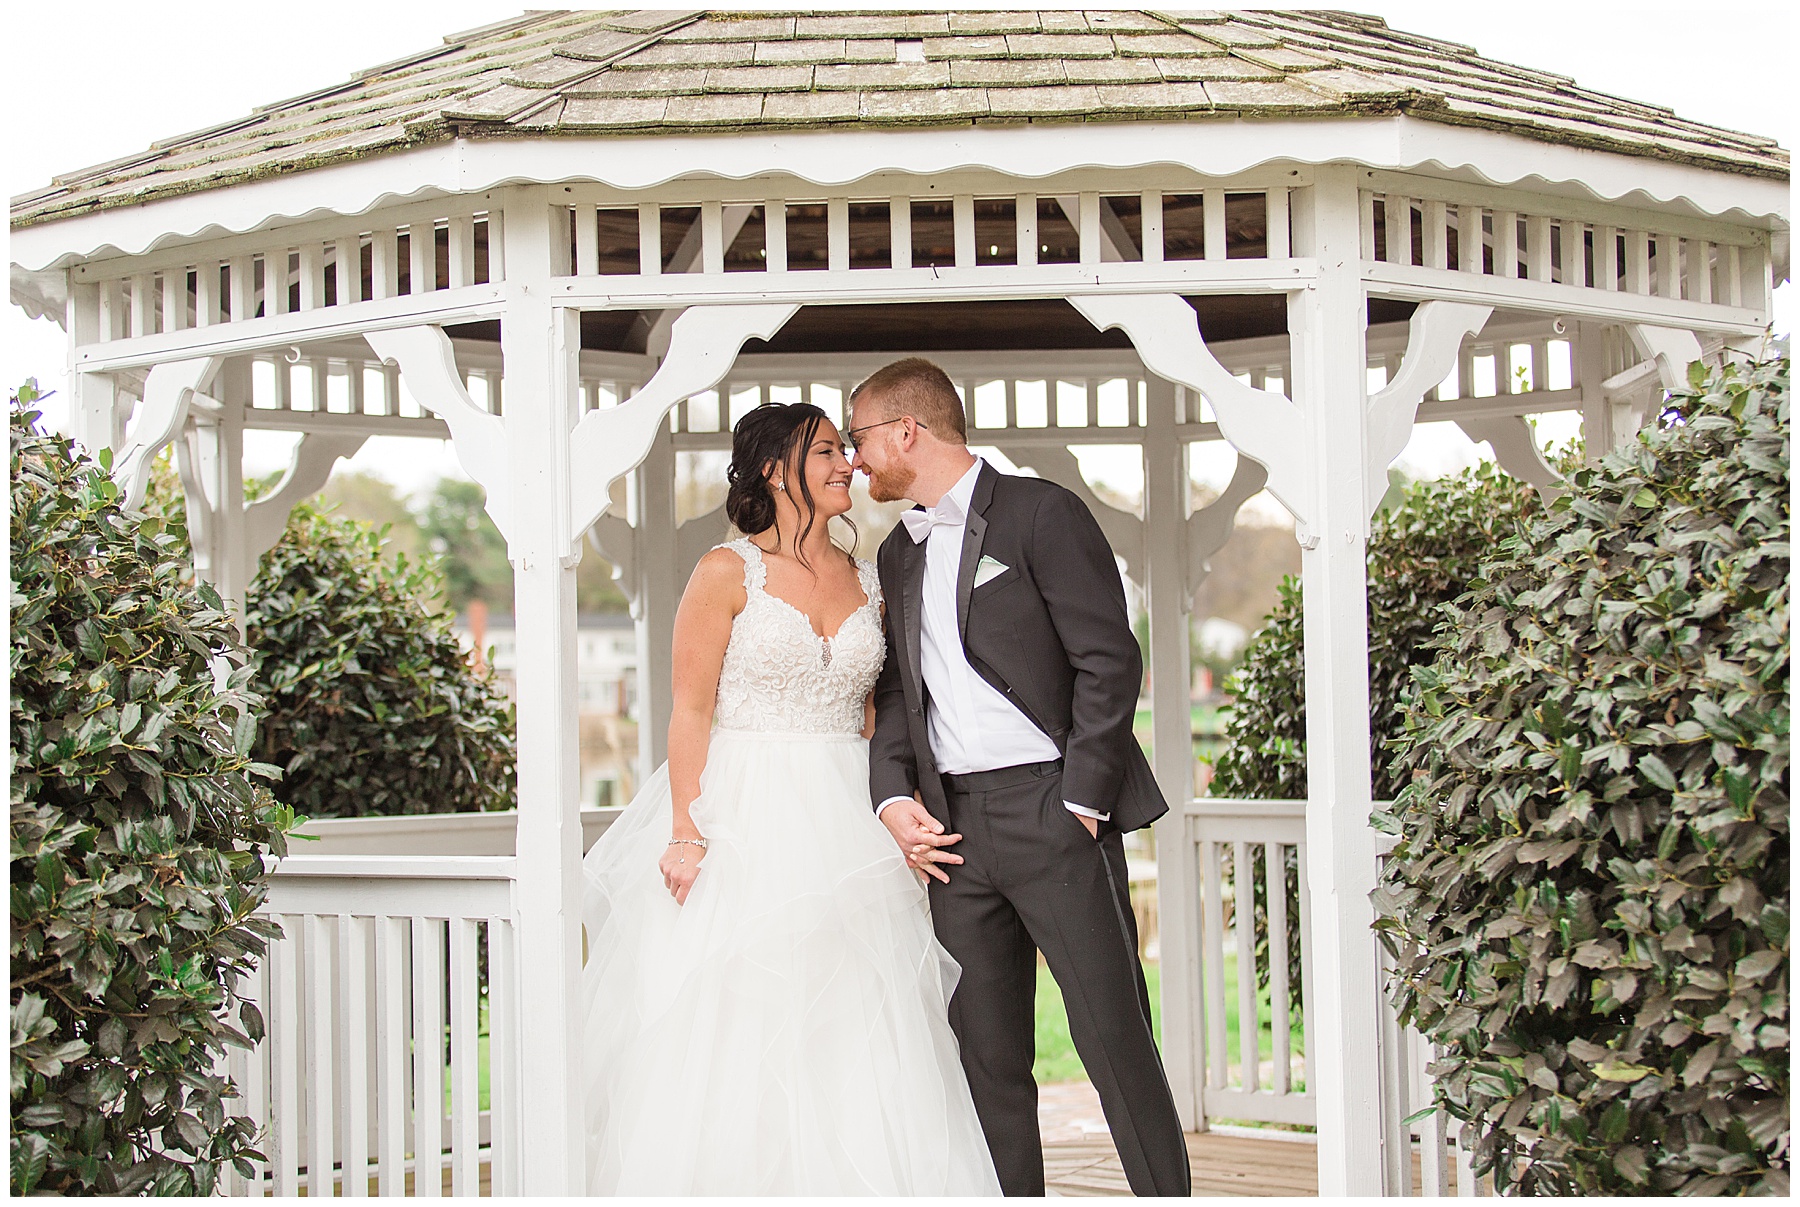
781	677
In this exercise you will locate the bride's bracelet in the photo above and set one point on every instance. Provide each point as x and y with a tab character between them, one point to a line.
692	842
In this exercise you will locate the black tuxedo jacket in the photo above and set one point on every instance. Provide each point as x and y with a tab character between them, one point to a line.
1050	633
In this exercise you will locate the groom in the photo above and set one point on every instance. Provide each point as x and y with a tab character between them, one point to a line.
1004	765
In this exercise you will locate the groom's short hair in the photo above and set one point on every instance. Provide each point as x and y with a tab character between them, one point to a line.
915	387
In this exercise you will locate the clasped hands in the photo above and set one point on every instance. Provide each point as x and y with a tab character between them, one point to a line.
921	837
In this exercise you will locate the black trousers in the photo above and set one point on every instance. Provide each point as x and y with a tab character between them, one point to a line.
1032	879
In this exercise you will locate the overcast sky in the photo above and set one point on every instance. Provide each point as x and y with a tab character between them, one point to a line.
92	81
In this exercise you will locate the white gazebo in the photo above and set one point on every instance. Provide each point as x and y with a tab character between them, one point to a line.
587	241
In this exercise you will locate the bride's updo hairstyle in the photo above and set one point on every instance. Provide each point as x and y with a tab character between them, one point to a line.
773	436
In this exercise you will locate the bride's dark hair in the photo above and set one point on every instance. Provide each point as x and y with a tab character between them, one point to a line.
772	436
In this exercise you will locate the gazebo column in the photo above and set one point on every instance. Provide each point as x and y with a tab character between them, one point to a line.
1166	541
1327	324
660	582
539	344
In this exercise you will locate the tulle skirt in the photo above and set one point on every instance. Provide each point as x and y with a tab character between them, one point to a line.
784	1032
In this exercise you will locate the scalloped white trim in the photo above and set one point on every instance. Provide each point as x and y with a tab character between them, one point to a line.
1218	148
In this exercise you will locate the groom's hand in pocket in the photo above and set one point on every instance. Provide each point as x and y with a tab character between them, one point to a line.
921	837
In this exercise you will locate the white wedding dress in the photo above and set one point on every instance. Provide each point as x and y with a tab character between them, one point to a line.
785	1031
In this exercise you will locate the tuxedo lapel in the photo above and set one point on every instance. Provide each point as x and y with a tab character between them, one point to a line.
912	609
974	534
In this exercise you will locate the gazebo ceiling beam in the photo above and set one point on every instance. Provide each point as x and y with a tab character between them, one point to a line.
1414	284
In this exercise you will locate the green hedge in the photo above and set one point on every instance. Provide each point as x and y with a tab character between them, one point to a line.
138	820
1589	902
373	707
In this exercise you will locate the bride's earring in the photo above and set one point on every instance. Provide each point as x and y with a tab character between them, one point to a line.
781	486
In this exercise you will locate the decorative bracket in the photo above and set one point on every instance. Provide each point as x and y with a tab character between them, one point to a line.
1263	426
427	363
1209	528
307	472
1671	350
615	540
703	345
1434	338
1515	449
1124	531
169	389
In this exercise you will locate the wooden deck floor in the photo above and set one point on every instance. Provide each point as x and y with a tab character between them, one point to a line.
1220	1165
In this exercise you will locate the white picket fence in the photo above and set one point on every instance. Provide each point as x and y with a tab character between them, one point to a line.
1225	836
369	1081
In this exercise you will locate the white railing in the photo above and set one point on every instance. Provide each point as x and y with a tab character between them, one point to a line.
1225	838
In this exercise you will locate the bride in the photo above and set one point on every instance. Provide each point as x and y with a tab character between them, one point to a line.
764	1000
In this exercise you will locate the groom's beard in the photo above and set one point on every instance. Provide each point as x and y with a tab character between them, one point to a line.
890	486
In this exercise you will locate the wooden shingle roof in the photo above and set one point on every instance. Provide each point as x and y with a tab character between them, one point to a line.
648	72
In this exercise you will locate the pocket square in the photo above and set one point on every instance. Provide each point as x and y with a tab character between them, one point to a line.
987	569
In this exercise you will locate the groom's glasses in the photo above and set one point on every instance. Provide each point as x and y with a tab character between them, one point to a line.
852	434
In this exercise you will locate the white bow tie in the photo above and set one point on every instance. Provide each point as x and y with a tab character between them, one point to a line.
920	523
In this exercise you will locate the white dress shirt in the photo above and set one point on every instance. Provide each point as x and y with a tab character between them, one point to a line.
972	726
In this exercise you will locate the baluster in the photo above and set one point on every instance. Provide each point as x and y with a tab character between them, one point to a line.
496	391
775	248
1025	228
206	293
899	232
562	241
347	268
1468	238
174	299
1398	212
1537	246
1213	940
1276	203
1574	253
1434	1167
1540	364
503	1114
357	386
255	1085
319	1052
1366	212
465	1071
1700	270
1637	262
428	1058
384	265
1734	275
312	276
1606	257
837	234
390	389
353	1008
1244	924
1087	217
1090	403
276	283
712	238
390	1053
462	251
496	248
1396	1149
284	1038
1506	244
1275	887
283	374
111	309
1668	273
143	289
1012	402
962	225
1436	234
1306	974
650	239
1212	219
320	372
240	293
421	245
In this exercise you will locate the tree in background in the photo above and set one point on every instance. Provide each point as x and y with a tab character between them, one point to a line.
138	825
373	705
1589	903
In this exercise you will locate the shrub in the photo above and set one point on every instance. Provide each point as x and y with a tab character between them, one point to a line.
137	828
373	707
1589	905
1423	551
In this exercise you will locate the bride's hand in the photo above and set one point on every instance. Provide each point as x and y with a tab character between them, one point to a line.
680	865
